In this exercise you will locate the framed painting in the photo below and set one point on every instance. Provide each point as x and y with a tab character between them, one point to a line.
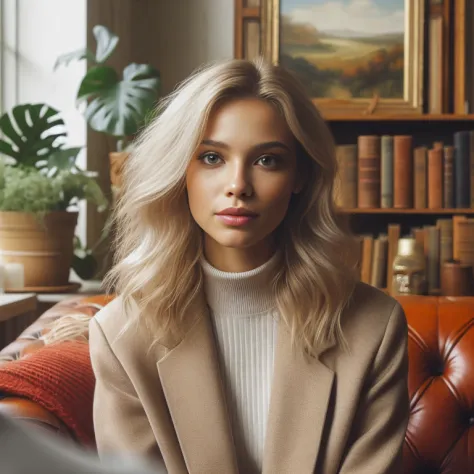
354	56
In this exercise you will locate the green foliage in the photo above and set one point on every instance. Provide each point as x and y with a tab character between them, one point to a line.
114	105
41	175
38	175
31	132
31	190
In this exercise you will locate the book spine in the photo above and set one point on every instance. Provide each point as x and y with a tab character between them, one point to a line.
462	170
448	178
420	181
445	227
379	262
386	171
348	157
471	164
435	178
432	252
368	171
403	172
394	232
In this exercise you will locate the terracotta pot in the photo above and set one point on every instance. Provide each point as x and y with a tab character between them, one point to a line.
45	246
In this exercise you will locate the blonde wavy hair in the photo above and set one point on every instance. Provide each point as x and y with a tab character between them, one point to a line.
158	244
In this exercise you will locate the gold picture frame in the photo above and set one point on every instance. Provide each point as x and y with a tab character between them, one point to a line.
413	57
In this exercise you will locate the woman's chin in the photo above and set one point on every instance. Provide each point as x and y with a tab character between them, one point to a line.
237	239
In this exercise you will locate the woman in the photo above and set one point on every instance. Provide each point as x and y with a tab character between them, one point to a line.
241	340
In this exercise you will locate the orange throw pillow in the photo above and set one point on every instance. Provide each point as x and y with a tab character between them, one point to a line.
60	379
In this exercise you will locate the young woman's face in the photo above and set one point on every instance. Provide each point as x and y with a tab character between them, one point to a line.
246	163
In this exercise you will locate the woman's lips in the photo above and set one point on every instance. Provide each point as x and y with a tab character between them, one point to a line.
235	220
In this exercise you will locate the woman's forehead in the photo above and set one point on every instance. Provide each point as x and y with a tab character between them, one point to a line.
247	119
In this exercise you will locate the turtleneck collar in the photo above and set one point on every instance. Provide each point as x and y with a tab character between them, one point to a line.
244	293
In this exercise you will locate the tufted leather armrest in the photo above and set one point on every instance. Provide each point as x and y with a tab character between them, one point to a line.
441	385
30	412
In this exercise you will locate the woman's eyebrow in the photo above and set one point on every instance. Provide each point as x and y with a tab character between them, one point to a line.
259	146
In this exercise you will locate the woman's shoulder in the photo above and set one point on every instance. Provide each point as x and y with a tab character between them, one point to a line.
120	326
123	328
112	318
371	312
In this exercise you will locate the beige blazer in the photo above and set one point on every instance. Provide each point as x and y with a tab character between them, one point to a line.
341	412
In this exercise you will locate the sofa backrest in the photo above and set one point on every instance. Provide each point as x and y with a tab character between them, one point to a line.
441	385
441	377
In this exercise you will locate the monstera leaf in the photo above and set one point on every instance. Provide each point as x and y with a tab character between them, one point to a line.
119	106
62	159
106	44
114	105
31	132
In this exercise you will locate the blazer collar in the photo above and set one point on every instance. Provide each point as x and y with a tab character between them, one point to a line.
300	394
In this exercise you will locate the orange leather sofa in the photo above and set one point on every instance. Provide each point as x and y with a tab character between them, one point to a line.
440	435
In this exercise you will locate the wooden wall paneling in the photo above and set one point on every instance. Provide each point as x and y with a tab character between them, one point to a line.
459	85
440	74
436	47
469	52
247	33
448	73
251	8
239	29
251	39
136	29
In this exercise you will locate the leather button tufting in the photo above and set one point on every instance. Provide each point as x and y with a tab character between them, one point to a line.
438	370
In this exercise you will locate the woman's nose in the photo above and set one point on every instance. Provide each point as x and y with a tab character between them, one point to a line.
238	183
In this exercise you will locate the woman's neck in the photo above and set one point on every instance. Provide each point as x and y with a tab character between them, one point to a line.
240	293
237	260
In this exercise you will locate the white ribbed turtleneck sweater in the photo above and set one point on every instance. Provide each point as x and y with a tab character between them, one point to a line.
245	321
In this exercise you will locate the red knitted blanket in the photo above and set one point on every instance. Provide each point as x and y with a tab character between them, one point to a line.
59	378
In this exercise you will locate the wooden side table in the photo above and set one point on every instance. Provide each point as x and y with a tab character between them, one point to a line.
17	312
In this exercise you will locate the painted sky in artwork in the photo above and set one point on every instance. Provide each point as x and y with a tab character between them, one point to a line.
370	17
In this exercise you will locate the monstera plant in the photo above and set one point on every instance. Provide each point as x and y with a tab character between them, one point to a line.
113	103
40	188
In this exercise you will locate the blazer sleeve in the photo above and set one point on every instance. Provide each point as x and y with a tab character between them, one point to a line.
376	443
120	422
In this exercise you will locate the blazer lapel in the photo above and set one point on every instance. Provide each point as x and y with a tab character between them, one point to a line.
193	389
299	400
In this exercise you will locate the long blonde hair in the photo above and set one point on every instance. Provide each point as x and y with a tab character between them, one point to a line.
158	244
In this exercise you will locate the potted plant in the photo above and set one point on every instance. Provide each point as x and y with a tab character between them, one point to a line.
114	105
40	188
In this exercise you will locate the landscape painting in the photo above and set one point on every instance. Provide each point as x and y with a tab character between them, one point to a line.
345	49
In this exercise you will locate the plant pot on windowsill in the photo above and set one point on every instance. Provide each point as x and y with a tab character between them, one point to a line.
40	187
42	244
37	224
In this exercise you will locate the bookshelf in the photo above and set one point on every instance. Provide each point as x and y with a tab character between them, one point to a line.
400	118
420	212
443	81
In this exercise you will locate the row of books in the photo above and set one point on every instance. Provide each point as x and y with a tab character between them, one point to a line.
450	238
389	172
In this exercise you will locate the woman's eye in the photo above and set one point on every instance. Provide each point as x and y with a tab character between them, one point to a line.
210	158
268	161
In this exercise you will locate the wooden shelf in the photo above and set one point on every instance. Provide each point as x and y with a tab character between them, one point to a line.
407	211
251	13
401	118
